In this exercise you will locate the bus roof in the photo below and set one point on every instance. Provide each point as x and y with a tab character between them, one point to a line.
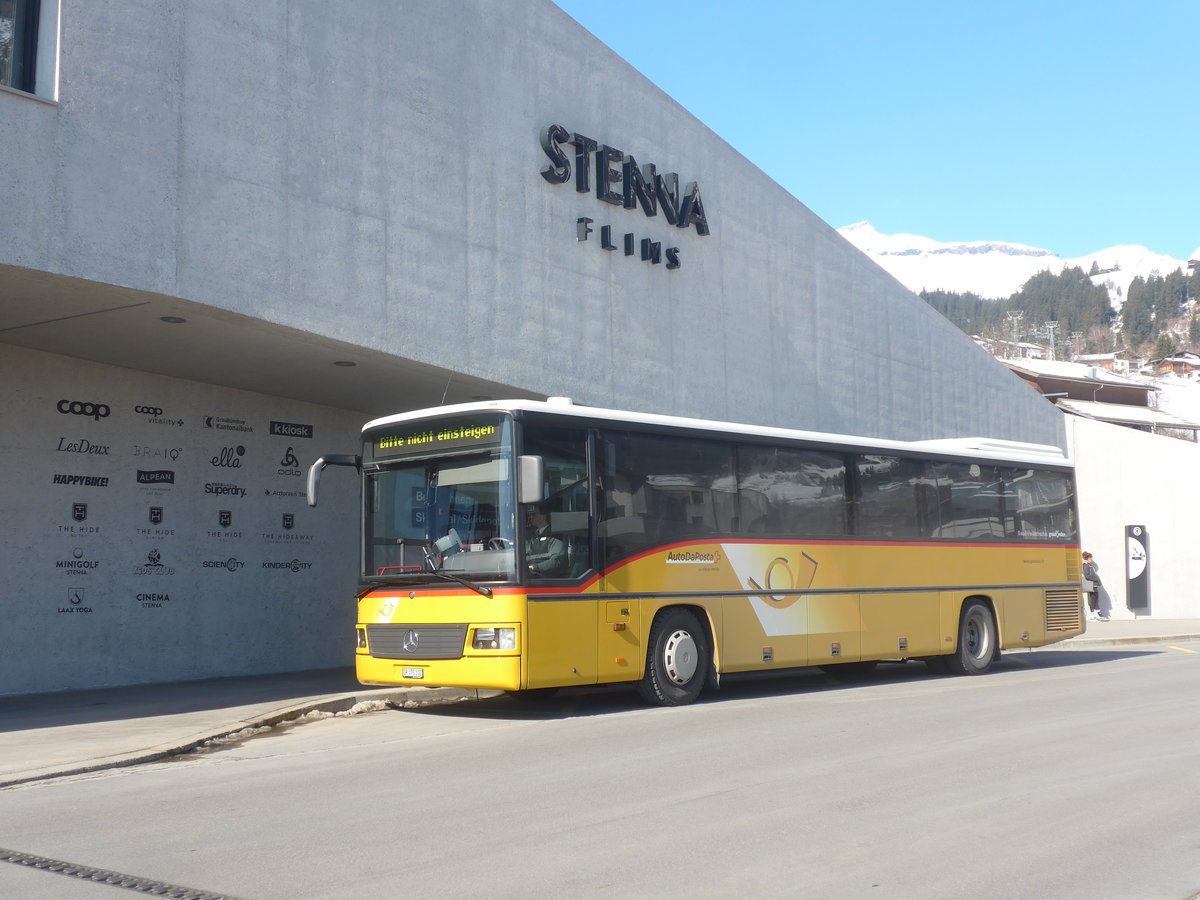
971	447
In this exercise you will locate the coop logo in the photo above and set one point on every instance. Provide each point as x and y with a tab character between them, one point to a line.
222	489
81	480
691	557
229	458
291	429
155	476
95	411
154	565
155	416
294	565
83	445
229	565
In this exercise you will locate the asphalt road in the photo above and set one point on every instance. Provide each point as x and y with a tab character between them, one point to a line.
1064	773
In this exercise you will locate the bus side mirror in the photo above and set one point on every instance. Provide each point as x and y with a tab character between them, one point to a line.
531	473
314	471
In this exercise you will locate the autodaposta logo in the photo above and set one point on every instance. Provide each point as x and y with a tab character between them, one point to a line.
95	411
693	557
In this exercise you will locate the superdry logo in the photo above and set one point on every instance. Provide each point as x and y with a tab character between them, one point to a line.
222	490
291	429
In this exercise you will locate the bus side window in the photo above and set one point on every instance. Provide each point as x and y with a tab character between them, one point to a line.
791	493
661	490
565	494
895	498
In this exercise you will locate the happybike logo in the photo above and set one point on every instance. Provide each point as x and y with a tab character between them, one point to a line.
95	411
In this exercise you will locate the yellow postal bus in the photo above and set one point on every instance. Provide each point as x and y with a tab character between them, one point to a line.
526	545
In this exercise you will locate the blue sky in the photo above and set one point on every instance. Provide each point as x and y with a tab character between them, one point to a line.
1068	126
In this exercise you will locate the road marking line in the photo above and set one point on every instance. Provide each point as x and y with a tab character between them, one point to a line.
1183	649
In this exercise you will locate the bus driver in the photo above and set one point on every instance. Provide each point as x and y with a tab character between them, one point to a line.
545	555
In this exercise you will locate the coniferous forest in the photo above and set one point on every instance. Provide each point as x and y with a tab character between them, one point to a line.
1156	318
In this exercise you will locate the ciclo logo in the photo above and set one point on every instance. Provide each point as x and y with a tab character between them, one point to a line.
95	411
148	410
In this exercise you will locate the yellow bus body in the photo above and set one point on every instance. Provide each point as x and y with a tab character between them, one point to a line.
767	605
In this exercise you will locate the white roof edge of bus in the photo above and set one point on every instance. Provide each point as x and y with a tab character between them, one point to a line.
974	447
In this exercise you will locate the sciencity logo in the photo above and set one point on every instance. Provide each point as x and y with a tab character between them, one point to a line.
693	557
230	565
95	411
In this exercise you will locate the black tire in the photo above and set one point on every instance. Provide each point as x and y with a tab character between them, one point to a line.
977	640
677	659
850	671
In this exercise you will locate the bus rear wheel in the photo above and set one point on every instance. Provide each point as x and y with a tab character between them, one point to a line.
677	659
977	640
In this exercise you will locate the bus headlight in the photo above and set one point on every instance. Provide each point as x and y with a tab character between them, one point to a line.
495	639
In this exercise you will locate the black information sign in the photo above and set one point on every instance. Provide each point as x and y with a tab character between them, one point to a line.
1137	569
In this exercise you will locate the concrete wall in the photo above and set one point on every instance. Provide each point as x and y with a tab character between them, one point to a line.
1129	477
373	176
106	596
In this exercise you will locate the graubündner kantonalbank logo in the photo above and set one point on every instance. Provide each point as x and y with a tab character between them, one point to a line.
621	182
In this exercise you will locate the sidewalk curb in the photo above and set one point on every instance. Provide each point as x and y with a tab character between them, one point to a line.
1132	639
407	697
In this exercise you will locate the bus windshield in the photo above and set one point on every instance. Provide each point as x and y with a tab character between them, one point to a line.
439	499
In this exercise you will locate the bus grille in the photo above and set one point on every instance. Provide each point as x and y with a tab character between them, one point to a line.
416	641
1062	610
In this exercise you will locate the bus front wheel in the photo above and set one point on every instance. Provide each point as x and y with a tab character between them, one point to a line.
977	640
677	659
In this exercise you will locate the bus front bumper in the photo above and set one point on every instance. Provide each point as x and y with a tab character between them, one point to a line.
501	673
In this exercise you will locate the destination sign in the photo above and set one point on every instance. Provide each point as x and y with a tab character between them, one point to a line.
424	438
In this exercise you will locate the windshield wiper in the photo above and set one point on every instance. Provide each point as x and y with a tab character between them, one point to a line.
486	591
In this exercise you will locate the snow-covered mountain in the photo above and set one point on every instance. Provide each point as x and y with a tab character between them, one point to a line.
997	269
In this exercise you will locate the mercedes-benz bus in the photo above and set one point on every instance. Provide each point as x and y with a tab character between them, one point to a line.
525	545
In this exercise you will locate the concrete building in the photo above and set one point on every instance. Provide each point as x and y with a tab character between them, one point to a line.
232	232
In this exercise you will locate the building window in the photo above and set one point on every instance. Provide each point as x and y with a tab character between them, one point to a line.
18	43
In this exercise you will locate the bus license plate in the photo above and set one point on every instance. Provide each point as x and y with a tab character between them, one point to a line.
410	672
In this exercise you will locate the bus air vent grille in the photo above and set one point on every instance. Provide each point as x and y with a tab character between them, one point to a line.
416	641
1062	610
